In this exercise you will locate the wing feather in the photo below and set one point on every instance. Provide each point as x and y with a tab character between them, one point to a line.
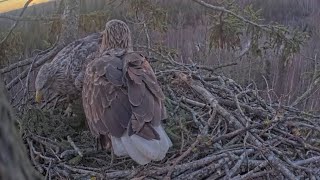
122	94
107	108
136	92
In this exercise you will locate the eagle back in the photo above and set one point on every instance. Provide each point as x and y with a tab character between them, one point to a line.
121	91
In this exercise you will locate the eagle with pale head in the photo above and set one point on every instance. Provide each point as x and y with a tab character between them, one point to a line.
122	100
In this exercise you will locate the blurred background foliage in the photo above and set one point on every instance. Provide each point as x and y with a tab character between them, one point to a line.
273	58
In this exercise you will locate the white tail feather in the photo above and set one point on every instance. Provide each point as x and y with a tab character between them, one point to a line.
149	148
133	152
165	143
118	147
141	150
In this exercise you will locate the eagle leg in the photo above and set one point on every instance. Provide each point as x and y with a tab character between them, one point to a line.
105	143
98	143
68	111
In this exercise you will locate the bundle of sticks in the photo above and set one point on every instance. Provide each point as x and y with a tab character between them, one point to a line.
219	129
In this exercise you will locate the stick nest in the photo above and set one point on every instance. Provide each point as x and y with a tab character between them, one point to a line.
219	130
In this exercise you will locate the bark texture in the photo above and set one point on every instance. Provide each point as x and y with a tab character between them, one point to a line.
14	163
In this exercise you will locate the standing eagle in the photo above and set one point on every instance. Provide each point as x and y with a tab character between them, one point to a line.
122	99
64	74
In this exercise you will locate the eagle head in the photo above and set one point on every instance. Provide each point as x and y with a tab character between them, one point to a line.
43	81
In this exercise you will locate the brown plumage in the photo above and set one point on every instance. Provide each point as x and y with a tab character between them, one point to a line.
64	74
122	99
116	35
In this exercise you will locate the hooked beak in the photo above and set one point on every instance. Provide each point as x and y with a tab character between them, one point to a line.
38	96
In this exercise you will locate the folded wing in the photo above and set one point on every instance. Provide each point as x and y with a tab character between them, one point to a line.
122	98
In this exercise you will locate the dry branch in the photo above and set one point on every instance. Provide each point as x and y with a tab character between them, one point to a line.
19	18
15	23
209	98
38	63
186	153
314	83
223	9
223	130
70	21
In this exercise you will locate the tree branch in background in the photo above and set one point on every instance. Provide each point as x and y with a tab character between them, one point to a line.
16	23
223	9
147	37
279	35
314	83
70	21
19	18
265	28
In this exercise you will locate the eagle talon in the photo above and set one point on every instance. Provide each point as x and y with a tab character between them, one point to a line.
68	111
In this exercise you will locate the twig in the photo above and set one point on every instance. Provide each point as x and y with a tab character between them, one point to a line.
315	159
148	37
201	173
314	83
186	153
48	171
23	63
217	67
75	147
276	162
16	22
239	163
38	63
252	172
19	18
182	136
222	9
234	133
46	142
35	163
82	171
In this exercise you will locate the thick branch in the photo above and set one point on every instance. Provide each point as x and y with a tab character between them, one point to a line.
70	21
207	96
23	63
38	63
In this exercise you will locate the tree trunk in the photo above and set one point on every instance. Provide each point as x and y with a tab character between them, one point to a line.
70	22
14	163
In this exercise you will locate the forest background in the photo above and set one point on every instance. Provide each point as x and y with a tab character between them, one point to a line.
194	35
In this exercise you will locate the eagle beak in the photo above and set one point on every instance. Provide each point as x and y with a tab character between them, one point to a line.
38	96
